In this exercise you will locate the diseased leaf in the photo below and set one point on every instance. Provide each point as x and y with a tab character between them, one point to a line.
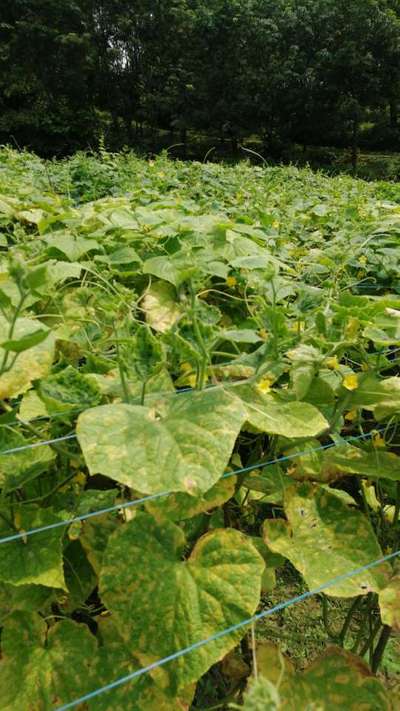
344	459
17	468
38	558
323	538
178	507
389	603
269	413
337	680
29	365
185	447
43	668
172	603
161	306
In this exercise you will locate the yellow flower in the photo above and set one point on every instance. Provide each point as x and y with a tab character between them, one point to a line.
186	367
192	380
263	334
264	385
332	363
350	381
231	281
276	224
80	478
351	415
352	327
363	260
378	441
161	174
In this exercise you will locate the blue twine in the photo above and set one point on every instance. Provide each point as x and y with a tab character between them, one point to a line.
34	445
154	497
229	630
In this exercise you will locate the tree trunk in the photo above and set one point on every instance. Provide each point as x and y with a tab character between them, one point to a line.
184	142
394	113
354	146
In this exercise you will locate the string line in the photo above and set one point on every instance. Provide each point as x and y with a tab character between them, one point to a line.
163	494
229	630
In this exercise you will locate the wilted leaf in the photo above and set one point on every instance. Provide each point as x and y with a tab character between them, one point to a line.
323	538
184	448
172	603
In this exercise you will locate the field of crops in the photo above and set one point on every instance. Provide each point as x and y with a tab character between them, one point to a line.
200	396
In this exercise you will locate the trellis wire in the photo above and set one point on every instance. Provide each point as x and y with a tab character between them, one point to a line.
137	502
223	633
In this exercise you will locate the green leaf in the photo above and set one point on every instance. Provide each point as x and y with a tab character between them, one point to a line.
25	342
337	680
183	447
335	463
179	507
269	413
18	468
323	538
379	396
31	364
172	603
36	559
161	307
389	603
68	390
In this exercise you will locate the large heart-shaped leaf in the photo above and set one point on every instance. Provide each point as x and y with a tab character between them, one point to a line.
337	680
323	538
172	603
29	365
42	668
269	413
186	447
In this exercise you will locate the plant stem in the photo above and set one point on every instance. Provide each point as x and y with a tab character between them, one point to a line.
325	617
352	609
380	648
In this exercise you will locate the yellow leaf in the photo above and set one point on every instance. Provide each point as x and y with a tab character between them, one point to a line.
17	520
350	381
